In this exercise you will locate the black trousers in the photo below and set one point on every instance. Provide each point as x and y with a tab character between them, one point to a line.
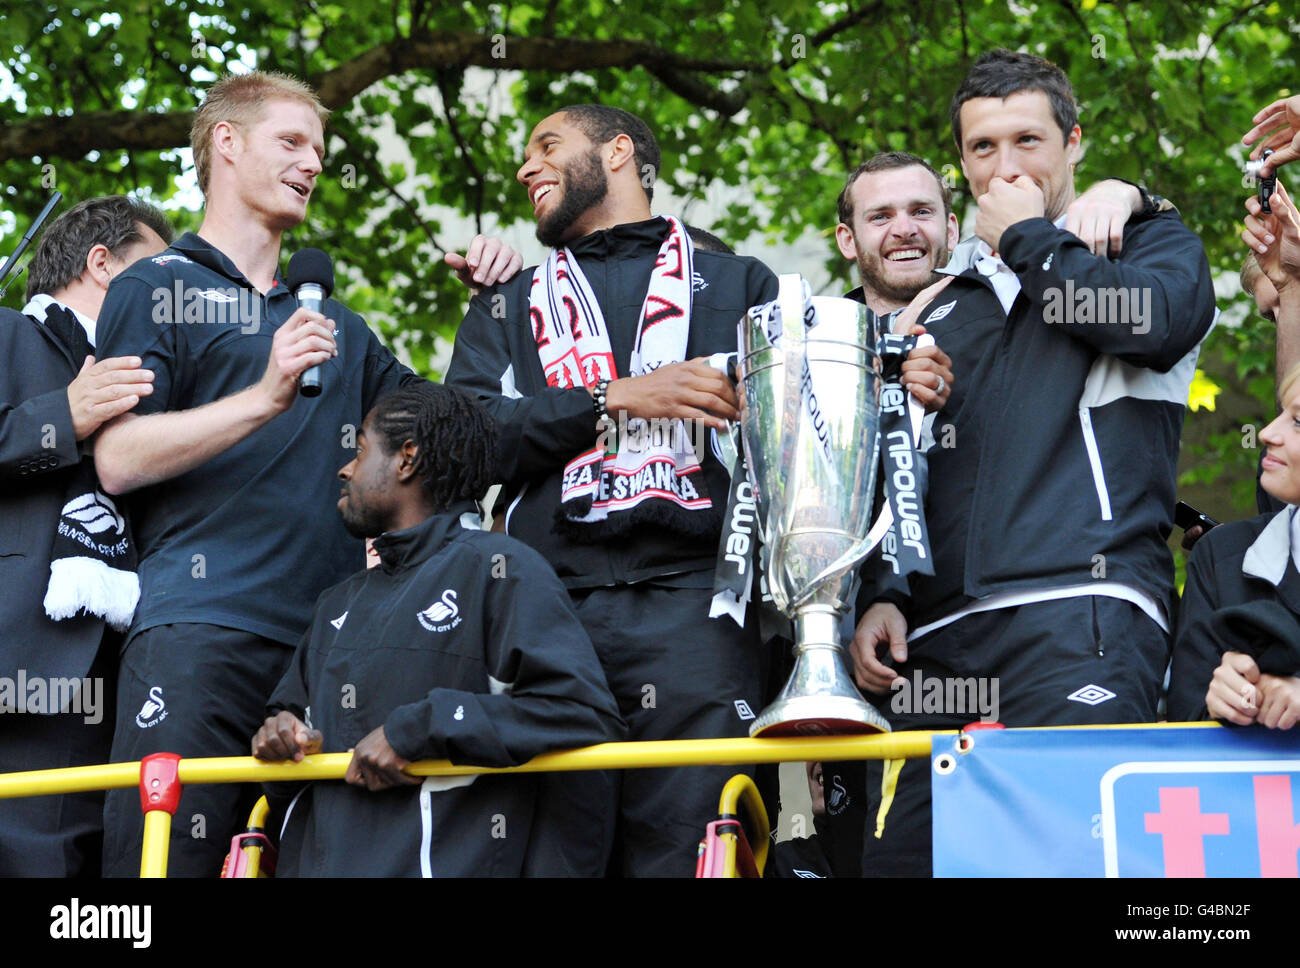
196	690
677	674
1040	655
58	836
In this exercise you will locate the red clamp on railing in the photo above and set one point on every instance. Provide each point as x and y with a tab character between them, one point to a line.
160	782
966	742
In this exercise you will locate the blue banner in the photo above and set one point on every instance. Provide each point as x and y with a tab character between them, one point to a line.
1133	802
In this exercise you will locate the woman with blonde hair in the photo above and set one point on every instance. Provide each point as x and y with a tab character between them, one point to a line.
1237	653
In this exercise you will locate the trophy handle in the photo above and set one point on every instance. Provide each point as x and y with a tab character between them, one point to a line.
885	520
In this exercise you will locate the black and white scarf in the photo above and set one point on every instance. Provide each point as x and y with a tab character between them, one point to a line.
93	557
646	471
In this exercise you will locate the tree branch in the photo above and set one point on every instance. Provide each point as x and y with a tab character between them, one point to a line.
689	87
476	175
376	172
844	23
548	18
73	136
1214	39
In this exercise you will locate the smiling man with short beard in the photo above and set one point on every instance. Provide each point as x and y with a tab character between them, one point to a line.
582	185
619	323
896	223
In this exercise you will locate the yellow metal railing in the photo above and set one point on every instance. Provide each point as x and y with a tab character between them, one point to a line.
740	793
605	756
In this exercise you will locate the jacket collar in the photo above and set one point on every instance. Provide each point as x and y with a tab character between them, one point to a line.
411	546
963	257
1270	553
209	256
971	250
625	238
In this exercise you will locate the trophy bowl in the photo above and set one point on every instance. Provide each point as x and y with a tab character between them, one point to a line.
810	420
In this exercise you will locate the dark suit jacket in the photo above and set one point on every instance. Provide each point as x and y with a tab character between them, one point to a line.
38	450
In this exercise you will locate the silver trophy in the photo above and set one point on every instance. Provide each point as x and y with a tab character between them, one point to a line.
810	418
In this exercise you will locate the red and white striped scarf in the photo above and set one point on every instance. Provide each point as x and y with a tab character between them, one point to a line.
651	471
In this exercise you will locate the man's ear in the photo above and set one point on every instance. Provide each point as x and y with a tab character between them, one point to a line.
406	458
1074	146
844	242
226	140
618	152
97	266
954	231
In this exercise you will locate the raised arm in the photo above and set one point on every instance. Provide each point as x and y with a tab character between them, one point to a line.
136	450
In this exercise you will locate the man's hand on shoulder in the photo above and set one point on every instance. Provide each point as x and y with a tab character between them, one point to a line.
692	390
305	340
488	261
104	390
376	766
1098	216
1005	204
285	737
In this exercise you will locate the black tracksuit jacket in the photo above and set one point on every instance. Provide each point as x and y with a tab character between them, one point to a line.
1219	577
462	645
543	427
1056	454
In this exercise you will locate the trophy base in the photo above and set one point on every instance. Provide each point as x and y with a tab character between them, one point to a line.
819	716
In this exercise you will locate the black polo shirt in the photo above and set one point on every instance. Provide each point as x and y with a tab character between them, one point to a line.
250	538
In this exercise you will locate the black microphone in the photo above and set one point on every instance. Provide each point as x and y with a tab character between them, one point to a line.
311	280
12	261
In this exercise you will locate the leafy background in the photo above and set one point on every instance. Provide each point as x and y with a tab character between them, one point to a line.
761	112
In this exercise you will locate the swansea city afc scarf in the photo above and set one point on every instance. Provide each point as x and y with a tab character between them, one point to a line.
643	471
92	554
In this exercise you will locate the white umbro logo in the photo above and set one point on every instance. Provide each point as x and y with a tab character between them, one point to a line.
1090	695
798	873
743	710
941	312
338	622
216	295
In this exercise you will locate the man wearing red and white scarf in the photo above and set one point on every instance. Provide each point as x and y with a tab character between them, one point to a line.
627	311
624	324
